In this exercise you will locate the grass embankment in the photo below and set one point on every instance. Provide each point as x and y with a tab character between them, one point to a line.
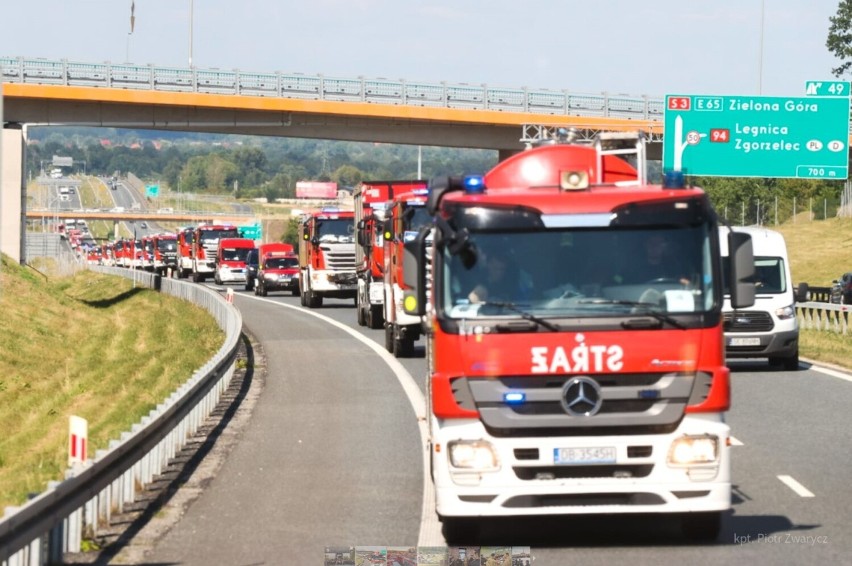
88	345
820	251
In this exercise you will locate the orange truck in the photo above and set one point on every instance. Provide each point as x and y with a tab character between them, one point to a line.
327	256
371	200
231	260
576	388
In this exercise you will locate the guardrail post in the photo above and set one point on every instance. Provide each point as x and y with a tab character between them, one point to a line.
65	80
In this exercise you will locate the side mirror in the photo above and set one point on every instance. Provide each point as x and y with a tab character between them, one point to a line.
802	292
414	274
741	255
315	241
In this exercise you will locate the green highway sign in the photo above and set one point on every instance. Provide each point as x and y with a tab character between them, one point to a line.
253	231
757	136
152	190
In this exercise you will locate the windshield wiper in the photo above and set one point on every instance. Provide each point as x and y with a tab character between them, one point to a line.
646	309
524	314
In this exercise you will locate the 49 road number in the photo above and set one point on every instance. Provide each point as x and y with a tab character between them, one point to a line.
587	455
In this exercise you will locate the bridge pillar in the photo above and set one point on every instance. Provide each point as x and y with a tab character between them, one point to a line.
12	192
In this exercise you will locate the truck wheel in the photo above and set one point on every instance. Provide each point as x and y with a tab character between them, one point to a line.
460	530
702	526
216	279
314	300
196	277
249	284
359	314
792	363
294	292
389	338
403	347
375	318
262	290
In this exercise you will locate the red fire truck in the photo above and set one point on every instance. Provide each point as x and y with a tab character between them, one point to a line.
185	239
371	198
205	246
165	252
592	379
406	215
327	256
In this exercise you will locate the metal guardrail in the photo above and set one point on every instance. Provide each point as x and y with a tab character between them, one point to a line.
319	87
824	316
53	523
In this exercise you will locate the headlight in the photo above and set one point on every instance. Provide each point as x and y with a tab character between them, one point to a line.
270	276
785	312
476	455
689	450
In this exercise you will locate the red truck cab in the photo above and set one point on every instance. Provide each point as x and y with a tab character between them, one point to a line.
572	387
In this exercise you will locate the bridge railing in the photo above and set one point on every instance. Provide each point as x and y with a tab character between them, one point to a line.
320	87
53	523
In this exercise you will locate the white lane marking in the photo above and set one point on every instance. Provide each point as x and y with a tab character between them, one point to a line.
800	490
832	373
735	442
430	526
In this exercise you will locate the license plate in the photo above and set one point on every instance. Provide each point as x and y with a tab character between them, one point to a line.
744	342
588	455
284	279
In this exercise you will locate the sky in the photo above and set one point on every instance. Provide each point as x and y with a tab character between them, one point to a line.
651	47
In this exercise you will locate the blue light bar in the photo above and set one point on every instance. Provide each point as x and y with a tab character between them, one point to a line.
423	191
674	180
514	397
474	184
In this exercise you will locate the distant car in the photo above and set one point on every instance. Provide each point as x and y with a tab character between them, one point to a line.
144	225
841	290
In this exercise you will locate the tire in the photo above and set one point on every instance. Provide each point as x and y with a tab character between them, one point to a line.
791	363
703	526
196	277
359	314
295	292
249	284
403	347
262	290
375	318
217	280
389	338
460	530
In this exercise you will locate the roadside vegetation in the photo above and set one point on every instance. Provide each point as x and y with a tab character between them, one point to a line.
89	345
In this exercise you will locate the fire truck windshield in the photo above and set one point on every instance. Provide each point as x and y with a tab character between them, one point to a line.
337	230
580	273
166	245
207	236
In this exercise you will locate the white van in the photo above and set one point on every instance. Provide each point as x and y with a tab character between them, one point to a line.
769	329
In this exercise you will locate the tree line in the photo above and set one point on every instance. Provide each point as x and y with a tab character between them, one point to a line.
252	167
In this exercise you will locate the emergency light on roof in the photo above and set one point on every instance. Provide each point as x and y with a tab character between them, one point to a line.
423	191
330	209
674	180
474	184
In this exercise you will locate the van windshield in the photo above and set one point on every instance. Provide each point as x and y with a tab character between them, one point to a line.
769	275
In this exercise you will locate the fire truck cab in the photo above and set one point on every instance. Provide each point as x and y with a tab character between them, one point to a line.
581	384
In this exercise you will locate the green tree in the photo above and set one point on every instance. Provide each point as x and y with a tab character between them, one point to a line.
839	40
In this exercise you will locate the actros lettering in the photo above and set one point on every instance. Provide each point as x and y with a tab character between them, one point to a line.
581	358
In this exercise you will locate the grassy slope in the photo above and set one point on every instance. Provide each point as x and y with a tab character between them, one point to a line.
88	345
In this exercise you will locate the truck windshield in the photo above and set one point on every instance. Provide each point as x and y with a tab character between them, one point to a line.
281	262
166	245
207	236
340	230
580	272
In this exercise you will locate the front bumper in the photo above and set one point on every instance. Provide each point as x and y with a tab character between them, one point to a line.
528	481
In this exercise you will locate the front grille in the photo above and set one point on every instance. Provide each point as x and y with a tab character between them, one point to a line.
339	258
747	321
630	404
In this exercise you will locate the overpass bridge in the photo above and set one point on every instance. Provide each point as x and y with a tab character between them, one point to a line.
141	215
60	92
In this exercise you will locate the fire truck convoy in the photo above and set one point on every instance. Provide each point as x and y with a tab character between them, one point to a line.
327	256
371	199
580	387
